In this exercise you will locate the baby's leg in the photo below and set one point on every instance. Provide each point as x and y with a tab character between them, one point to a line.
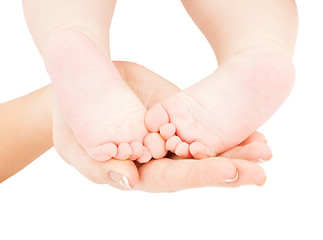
253	41
105	116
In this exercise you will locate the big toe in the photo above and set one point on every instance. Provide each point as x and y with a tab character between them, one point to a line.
145	157
137	150
156	145
156	117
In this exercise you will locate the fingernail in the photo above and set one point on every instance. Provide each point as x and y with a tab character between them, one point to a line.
122	180
232	180
260	185
263	161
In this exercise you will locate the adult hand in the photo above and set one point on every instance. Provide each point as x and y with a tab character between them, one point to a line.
233	168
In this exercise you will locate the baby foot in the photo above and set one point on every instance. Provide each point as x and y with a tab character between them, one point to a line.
222	110
105	116
156	145
109	127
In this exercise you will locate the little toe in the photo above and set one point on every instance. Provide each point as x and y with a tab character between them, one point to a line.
172	143
156	117
255	137
156	145
103	152
124	151
182	150
137	150
145	157
257	151
200	151
167	130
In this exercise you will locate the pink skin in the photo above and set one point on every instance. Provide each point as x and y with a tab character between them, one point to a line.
106	117
196	123
96	108
174	174
156	145
166	174
253	42
137	150
172	143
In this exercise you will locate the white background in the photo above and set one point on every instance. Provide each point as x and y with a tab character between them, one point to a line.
50	200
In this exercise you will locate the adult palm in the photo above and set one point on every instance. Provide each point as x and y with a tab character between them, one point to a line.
233	168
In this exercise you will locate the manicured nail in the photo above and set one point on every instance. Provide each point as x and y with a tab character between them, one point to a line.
263	161
260	185
232	180
122	180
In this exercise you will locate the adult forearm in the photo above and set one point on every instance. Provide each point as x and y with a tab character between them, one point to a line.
25	131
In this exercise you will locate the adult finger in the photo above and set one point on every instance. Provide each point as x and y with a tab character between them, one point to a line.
253	151
147	85
168	175
249	173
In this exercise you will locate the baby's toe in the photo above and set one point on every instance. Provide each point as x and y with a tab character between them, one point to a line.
255	151
124	151
145	157
182	150
199	150
156	117
156	145
172	143
103	152
167	131
255	137
137	150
